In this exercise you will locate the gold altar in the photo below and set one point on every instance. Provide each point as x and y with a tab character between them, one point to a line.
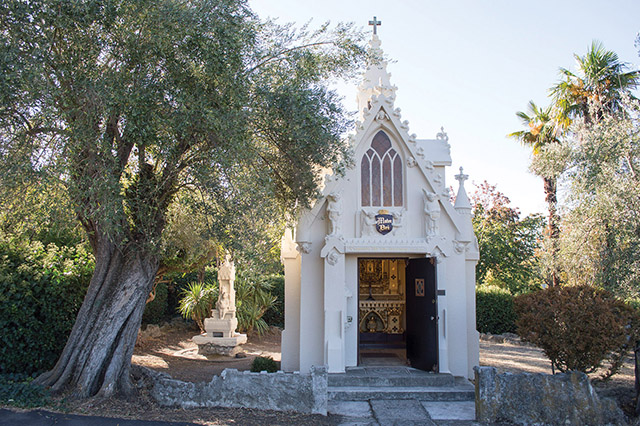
381	296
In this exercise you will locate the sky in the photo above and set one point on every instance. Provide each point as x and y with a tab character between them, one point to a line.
469	66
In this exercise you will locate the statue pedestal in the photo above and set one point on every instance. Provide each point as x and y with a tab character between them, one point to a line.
221	338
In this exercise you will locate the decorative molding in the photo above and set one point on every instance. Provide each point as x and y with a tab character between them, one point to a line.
438	254
381	245
442	135
428	164
460	246
382	116
411	162
333	257
304	247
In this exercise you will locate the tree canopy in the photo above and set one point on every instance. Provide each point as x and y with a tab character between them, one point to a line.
600	81
126	105
507	243
601	227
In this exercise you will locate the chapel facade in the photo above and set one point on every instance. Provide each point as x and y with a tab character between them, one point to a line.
381	270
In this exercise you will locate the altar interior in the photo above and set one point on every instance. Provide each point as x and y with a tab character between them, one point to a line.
381	299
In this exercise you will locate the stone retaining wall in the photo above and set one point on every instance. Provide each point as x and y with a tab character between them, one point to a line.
304	393
533	399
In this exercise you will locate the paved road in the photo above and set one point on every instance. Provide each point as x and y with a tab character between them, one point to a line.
45	418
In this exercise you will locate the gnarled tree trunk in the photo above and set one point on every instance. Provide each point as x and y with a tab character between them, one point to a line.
97	357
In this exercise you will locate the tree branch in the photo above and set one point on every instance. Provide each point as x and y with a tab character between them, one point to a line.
277	55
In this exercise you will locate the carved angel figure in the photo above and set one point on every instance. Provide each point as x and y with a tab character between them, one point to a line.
334	212
368	223
432	213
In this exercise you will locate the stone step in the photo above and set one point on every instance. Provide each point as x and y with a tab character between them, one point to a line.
425	380
421	393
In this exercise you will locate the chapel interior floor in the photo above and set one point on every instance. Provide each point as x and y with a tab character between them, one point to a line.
382	358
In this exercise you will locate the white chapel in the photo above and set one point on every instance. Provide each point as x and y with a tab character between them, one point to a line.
381	270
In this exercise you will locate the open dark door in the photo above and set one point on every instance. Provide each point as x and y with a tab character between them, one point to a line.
422	314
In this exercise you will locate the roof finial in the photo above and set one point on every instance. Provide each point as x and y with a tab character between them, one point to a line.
462	204
375	24
461	177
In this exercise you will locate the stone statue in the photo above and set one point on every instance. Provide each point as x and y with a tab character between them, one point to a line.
432	213
334	212
221	337
227	295
223	305
368	223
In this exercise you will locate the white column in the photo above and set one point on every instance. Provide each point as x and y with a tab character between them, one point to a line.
335	304
473	337
291	259
443	326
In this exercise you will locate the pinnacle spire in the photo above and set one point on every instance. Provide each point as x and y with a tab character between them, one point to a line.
462	204
376	79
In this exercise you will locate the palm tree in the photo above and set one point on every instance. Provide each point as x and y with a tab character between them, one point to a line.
197	301
540	131
600	82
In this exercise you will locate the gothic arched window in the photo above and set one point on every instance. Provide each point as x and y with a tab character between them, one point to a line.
381	174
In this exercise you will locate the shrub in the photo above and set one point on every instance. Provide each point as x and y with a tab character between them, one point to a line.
494	310
264	364
156	310
41	291
19	391
253	300
197	301
275	314
179	282
577	327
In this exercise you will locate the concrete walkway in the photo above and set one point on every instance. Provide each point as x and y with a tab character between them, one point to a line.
403	412
383	395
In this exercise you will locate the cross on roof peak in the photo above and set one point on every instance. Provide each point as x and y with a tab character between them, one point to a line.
375	24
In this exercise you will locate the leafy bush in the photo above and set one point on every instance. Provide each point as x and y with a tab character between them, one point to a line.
156	310
494	310
19	391
179	282
578	327
275	314
253	300
197	302
264	364
41	290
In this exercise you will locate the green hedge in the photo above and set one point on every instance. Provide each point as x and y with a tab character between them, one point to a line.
264	364
275	314
495	313
41	291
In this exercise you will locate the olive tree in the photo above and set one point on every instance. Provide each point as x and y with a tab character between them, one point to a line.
127	104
